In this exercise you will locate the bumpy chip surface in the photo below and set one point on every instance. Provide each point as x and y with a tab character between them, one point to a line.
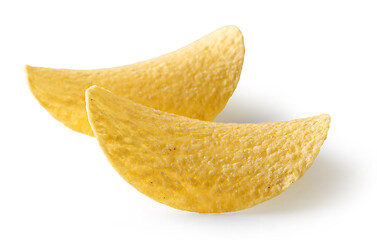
195	81
202	166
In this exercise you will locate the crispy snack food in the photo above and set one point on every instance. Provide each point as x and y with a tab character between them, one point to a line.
195	81
202	166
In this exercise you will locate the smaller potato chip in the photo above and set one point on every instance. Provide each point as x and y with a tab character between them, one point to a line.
195	81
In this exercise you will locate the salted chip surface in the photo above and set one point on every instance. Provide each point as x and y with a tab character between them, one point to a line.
195	81
202	166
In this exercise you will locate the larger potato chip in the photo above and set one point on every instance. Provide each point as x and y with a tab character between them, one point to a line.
195	81
202	166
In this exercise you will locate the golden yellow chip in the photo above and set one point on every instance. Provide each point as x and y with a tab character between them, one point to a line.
195	81
202	166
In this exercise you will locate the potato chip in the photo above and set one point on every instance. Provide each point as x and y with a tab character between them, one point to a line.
195	81
202	166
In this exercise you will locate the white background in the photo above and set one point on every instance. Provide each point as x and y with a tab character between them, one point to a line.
302	58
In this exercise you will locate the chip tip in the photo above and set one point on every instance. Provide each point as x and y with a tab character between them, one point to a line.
326	121
232	28
27	68
92	87
95	88
29	75
326	116
89	97
89	90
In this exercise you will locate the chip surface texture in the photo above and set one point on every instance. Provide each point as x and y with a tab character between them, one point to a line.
195	81
202	166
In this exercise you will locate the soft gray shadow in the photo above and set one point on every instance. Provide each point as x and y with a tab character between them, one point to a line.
239	110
